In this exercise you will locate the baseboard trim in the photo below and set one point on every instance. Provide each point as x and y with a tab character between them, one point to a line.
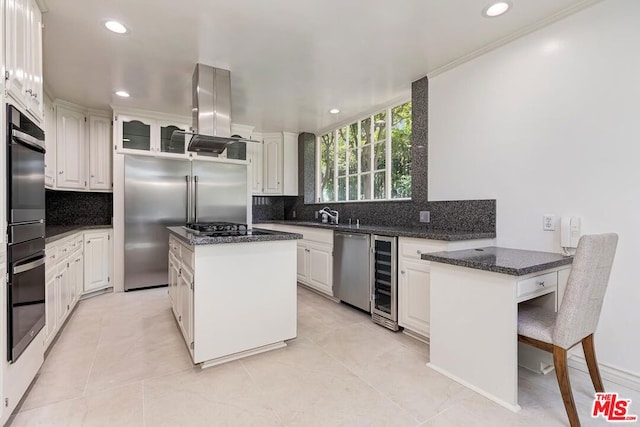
499	401
607	372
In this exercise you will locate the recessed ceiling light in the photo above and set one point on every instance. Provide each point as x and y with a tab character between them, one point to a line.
116	27
334	111
122	93
496	9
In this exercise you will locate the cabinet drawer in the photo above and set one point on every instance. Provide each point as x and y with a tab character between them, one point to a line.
537	285
414	248
174	247
51	254
187	257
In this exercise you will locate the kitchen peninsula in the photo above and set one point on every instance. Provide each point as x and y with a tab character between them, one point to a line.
233	295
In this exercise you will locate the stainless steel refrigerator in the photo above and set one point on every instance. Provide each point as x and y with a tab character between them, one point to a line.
166	192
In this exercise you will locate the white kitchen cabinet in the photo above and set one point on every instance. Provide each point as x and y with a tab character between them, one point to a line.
314	256
23	56
186	304
174	273
414	277
70	148
279	168
254	156
97	260
413	294
34	92
50	144
272	155
142	135
100	153
320	267
302	263
62	278
52	296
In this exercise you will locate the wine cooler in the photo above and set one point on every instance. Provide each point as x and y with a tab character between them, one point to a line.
384	287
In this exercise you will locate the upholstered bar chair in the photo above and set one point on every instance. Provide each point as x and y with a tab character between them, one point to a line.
578	315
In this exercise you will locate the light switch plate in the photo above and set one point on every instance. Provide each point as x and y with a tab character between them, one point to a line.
425	216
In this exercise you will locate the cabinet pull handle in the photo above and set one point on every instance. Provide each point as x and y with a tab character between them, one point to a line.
541	284
402	272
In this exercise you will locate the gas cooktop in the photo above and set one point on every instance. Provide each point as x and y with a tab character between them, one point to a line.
220	229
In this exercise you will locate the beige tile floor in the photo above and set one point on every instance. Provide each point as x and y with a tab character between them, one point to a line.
121	361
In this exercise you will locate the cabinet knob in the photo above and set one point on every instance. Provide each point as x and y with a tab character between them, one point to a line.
419	252
60	173
93	176
402	272
541	284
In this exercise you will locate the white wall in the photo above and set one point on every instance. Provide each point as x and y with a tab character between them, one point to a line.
550	123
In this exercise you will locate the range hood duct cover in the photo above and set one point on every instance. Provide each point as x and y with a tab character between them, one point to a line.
211	111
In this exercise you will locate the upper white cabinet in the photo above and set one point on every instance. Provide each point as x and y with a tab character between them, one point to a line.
99	153
279	168
70	144
23	57
139	134
50	144
78	143
272	155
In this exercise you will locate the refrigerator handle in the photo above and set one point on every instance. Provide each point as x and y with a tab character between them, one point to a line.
187	178
195	202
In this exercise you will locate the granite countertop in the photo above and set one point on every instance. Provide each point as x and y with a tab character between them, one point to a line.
57	232
257	235
514	262
417	232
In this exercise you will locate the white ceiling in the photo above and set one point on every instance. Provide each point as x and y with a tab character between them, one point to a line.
290	60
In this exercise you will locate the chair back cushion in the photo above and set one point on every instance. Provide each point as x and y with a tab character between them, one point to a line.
582	302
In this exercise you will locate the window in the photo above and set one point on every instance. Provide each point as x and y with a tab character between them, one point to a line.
367	160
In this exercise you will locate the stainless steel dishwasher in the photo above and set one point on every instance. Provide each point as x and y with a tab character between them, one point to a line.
352	269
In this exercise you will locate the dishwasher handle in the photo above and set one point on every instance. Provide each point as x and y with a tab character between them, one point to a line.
352	236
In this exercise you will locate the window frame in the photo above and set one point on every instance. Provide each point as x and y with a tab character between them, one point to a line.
370	174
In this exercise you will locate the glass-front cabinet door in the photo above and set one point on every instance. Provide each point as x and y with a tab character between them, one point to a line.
175	145
135	135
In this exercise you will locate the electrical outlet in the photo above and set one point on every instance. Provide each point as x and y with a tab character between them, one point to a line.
316	214
293	214
425	216
548	222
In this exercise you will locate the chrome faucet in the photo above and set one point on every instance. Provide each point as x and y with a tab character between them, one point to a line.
333	215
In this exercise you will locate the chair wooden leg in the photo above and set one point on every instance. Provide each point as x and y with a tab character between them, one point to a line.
592	363
560	363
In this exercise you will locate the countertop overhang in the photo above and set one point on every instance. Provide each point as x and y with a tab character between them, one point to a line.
417	232
514	262
195	239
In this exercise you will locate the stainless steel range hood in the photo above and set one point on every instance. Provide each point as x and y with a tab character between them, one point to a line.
211	112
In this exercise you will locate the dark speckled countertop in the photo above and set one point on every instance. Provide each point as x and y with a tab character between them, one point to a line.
257	235
515	262
422	233
57	232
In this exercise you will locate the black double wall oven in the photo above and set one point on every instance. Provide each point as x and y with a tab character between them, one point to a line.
25	231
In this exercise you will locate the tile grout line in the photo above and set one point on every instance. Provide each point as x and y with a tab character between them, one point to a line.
263	392
383	395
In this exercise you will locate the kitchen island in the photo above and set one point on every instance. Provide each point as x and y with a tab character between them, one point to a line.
233	295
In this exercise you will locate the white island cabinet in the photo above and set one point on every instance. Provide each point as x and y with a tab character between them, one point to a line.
233	296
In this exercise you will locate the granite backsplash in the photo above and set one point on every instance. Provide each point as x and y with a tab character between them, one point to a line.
78	208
